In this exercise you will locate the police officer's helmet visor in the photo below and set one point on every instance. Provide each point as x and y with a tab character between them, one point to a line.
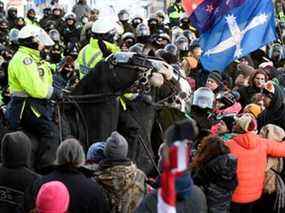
37	33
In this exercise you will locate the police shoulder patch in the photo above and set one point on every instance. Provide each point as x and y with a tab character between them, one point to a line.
27	61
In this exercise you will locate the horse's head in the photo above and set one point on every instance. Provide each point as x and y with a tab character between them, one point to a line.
133	73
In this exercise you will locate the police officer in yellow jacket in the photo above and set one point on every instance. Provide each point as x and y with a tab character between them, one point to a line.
99	47
174	12
30	85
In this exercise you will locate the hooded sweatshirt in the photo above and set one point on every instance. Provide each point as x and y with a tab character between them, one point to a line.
251	152
15	177
275	114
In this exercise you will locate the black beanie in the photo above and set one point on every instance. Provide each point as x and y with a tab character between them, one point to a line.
216	76
179	131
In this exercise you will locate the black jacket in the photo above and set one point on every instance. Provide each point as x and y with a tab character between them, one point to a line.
218	179
246	94
275	114
195	204
85	194
15	177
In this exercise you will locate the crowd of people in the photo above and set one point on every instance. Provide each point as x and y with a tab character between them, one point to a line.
233	128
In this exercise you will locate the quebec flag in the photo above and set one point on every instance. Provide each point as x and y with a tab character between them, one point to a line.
231	29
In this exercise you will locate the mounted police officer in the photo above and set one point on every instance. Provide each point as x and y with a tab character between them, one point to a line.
30	83
99	47
174	12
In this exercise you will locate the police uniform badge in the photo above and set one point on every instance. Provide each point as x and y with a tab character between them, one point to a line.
41	72
28	61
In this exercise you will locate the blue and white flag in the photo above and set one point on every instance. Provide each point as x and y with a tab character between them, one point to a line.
246	26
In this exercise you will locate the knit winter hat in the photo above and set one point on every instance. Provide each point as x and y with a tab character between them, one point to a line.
245	69
96	152
216	76
116	146
246	122
179	131
254	109
53	197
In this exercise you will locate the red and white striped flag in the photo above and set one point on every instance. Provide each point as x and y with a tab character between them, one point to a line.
179	156
175	161
166	194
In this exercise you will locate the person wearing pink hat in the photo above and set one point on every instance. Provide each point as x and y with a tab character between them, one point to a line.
53	197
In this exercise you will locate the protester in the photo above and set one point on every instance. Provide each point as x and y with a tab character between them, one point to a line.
214	169
123	182
256	82
251	151
274	112
16	177
43	93
85	194
272	199
52	197
189	197
215	82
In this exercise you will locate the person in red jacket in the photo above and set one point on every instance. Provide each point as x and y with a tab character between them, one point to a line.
251	152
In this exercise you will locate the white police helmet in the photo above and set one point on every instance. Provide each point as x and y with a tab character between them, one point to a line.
102	26
203	98
38	33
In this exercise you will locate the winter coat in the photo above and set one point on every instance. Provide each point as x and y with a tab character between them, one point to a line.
246	94
196	203
85	194
218	179
15	177
124	184
275	114
251	152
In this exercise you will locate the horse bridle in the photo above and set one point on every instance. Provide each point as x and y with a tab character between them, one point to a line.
142	84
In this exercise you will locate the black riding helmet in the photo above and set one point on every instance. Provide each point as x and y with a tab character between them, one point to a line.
70	19
60	12
184	19
3	25
47	11
182	43
152	21
123	15
136	21
12	12
20	22
128	38
170	54
31	14
142	30
189	35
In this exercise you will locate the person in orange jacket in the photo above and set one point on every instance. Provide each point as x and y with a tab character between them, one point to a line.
251	151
